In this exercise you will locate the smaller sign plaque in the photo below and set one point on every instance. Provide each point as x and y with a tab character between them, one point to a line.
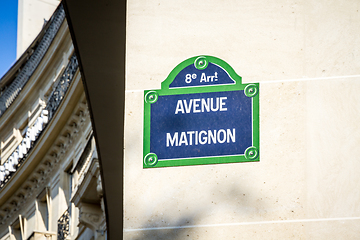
202	114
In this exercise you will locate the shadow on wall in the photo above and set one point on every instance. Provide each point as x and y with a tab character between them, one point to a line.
229	200
165	234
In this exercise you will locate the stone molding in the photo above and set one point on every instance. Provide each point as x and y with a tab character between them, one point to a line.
91	216
20	154
74	129
11	92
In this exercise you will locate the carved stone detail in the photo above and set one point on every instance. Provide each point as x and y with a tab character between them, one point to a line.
48	165
13	90
99	190
91	216
99	186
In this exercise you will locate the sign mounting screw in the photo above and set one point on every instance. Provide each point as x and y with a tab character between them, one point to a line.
251	90
151	159
151	97
201	63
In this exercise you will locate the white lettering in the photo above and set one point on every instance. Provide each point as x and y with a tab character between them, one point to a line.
202	140
188	78
211	136
173	140
206	79
183	139
196	105
222	104
179	107
205	105
202	137
203	77
224	136
230	135
191	133
188	107
214	109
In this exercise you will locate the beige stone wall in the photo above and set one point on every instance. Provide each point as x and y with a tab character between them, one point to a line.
31	18
305	55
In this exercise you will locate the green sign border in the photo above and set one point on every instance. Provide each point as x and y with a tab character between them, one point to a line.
252	154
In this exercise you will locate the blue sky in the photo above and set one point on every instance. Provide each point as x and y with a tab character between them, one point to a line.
8	32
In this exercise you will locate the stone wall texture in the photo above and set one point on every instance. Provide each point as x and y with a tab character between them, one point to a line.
305	55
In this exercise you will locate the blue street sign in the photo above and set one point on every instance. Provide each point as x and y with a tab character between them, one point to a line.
202	115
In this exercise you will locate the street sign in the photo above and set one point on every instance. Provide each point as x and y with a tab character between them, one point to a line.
202	114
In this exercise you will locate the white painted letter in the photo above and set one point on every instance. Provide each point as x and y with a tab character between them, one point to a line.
204	139
230	135
224	136
179	107
183	139
188	107
196	105
222	103
191	133
211	136
205	104
203	77
172	141
214	109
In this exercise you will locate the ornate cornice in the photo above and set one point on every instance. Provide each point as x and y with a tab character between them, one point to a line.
75	128
9	94
92	173
91	216
19	156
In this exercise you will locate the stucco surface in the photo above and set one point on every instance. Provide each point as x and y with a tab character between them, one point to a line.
304	55
32	16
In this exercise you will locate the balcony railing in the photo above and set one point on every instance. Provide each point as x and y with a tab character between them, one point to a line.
64	225
20	154
13	90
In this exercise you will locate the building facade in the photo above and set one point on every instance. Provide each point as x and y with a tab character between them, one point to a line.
303	55
50	184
